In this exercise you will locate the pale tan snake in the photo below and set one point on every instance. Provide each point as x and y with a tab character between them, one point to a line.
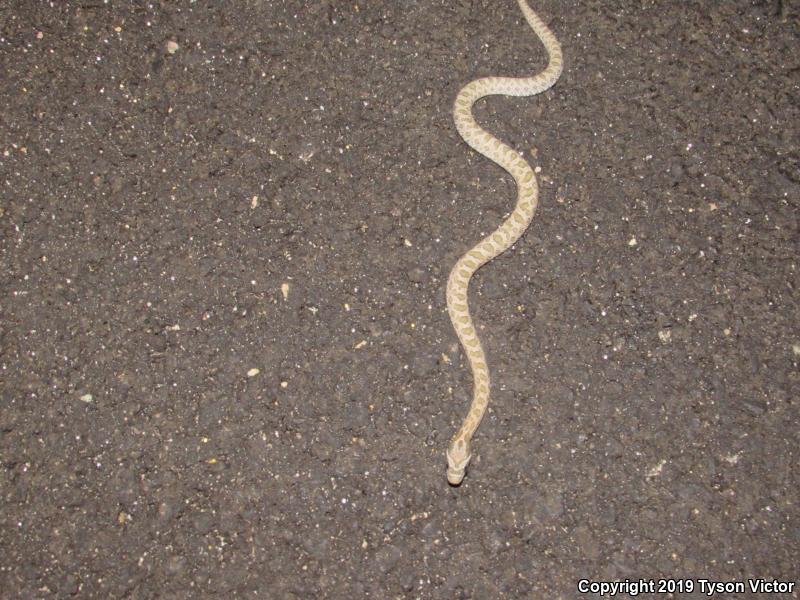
459	451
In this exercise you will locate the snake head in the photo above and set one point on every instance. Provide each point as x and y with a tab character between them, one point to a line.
458	455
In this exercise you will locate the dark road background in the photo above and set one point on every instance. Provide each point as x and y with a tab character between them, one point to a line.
226	366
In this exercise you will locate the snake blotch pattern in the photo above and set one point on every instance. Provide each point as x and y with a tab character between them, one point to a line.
459	451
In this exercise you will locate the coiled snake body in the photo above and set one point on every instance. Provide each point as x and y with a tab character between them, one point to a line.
459	450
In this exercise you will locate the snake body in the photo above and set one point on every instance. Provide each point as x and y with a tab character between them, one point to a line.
459	450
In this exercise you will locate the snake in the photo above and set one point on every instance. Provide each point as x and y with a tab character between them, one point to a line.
459	450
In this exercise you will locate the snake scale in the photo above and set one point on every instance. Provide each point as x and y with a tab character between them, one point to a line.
459	451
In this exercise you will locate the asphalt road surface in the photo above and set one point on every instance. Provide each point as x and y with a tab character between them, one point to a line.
226	366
